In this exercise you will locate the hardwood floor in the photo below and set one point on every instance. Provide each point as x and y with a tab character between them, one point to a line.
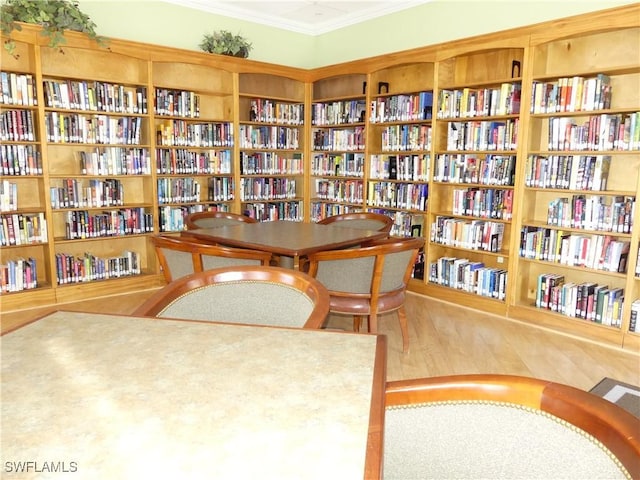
446	339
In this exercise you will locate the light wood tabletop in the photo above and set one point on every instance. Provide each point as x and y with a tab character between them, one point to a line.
115	396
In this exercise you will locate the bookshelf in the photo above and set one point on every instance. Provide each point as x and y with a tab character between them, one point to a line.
271	142
271	166
25	249
399	147
477	108
338	116
194	141
97	150
578	248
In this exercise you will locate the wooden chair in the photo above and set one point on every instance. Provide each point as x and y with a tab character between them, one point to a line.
179	257
247	294
513	427
214	219
368	281
362	220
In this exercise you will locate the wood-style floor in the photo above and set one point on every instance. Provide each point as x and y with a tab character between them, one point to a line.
446	339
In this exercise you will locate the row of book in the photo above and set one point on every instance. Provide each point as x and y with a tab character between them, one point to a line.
596	133
339	164
473	235
103	161
482	169
178	190
339	190
414	168
8	196
483	203
179	161
23	229
267	188
17	126
80	128
469	276
590	301
406	138
271	163
410	196
483	135
568	172
480	102
599	252
267	111
91	193
20	160
271	137
321	210
402	108
339	112
572	94
18	274
18	89
94	96
346	139
171	218
634	324
181	133
177	103
89	267
82	224
220	189
593	212
269	212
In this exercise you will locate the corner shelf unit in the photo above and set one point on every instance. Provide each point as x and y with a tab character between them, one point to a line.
505	186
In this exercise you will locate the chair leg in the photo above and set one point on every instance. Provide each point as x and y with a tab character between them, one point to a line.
404	328
357	323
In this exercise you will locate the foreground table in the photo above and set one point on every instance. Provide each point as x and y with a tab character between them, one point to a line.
291	239
108	396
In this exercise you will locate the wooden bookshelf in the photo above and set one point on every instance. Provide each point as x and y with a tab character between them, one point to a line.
338	140
236	92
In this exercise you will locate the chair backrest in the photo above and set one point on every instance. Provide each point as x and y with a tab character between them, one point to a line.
487	412
179	257
367	272
249	294
361	220
215	219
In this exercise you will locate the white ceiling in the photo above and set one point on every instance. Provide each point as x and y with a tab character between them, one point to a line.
302	16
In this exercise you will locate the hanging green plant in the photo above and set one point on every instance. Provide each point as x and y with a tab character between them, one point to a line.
224	42
55	16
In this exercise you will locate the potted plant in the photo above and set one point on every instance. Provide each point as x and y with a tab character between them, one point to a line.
224	42
55	16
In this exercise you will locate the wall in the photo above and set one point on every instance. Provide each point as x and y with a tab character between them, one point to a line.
166	24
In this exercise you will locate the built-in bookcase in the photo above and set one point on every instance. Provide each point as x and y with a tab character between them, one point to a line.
477	108
531	154
25	249
578	244
194	141
400	141
338	140
98	153
271	142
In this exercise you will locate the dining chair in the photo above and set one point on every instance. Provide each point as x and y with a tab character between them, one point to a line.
254	295
362	220
214	219
368	281
505	426
179	257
